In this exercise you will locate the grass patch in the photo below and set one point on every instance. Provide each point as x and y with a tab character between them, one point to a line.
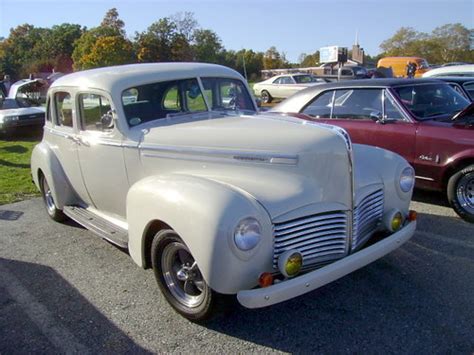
15	177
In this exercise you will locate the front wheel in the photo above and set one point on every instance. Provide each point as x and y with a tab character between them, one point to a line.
180	279
53	212
461	193
266	97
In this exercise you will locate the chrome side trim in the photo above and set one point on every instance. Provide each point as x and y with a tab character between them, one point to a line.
424	178
157	151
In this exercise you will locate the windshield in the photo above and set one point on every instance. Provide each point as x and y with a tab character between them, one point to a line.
432	100
8	104
168	99
301	79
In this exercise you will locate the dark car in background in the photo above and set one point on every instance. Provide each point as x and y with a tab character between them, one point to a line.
462	84
424	120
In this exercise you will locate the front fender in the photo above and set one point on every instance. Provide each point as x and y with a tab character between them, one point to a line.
43	159
375	166
204	213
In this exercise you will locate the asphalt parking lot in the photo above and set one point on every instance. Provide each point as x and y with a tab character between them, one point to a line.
64	290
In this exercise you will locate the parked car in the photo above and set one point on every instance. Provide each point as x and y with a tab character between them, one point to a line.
399	65
283	86
216	199
16	113
454	70
425	121
462	84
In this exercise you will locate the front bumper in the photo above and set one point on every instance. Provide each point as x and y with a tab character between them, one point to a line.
300	285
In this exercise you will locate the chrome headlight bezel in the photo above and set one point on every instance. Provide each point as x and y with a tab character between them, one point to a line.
407	179
247	234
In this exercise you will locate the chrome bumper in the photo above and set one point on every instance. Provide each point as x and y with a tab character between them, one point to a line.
300	285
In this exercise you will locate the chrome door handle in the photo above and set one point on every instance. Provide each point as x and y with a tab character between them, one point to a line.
72	137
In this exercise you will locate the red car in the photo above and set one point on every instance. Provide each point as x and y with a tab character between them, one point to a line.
425	120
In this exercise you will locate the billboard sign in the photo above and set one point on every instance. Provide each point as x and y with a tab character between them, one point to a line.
328	54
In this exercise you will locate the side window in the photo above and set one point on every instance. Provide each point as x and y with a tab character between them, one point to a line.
94	109
171	99
321	106
391	110
194	98
357	104
470	89
286	80
63	107
278	81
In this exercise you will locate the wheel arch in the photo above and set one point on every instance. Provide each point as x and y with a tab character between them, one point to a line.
454	167
204	213
44	162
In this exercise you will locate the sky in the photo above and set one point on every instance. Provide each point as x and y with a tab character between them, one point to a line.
292	26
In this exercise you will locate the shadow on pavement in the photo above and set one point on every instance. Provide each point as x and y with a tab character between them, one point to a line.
417	299
40	312
431	197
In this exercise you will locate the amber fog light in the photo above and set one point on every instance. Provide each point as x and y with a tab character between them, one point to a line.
393	220
290	263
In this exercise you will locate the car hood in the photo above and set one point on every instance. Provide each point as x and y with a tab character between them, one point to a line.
283	162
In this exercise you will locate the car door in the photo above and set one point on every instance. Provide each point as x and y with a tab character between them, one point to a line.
287	87
61	129
356	110
396	132
100	153
276	88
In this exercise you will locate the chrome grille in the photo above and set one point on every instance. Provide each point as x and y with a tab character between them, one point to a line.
367	217
320	237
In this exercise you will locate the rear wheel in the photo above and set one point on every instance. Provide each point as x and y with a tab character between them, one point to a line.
461	193
266	97
53	212
180	279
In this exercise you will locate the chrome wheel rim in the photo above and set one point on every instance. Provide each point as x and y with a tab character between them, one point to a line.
265	97
48	197
182	276
465	193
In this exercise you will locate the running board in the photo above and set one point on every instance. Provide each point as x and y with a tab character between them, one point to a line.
99	225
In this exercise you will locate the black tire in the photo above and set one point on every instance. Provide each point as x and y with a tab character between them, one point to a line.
460	191
49	204
266	97
206	303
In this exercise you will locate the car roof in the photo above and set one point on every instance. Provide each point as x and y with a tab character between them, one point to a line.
301	98
116	79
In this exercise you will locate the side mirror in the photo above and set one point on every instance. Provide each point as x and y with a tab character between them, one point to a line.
376	116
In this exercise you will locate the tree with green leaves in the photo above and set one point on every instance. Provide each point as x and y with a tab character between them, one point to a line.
207	46
90	49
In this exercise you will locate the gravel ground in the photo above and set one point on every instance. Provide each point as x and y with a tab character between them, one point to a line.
64	290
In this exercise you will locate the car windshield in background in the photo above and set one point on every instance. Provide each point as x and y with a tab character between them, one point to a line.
8	104
171	98
302	79
427	101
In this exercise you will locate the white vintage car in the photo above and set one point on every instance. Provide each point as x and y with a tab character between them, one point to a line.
172	162
283	86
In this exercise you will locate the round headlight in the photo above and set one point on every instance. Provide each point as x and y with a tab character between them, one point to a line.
407	179
247	234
